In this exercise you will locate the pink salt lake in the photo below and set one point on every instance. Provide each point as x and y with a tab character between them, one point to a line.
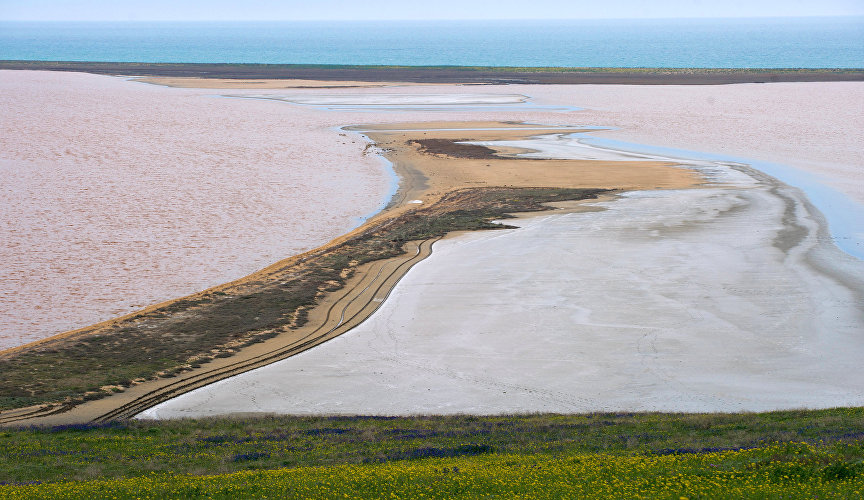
115	194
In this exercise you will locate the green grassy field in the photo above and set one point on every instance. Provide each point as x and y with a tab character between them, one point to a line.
791	454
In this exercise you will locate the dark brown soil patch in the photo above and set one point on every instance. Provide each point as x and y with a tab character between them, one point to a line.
455	149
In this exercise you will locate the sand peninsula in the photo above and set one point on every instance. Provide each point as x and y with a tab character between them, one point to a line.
730	297
308	299
430	158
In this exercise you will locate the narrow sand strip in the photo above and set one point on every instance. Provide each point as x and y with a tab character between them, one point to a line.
722	299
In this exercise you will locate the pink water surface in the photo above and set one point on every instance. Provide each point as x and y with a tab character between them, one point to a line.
817	127
117	194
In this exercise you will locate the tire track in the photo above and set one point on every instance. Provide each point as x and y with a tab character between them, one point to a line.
381	286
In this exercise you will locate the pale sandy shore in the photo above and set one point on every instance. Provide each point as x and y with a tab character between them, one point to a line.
228	83
731	298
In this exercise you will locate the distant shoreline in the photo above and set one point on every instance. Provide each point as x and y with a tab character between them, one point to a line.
487	75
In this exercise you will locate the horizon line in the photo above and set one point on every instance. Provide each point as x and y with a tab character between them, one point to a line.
832	16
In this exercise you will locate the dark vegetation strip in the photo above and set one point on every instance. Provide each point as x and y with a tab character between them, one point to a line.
317	333
211	446
187	333
451	74
456	148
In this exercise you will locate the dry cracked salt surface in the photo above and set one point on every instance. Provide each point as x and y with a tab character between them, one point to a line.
729	298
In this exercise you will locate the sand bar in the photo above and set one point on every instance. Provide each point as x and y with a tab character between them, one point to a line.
82	144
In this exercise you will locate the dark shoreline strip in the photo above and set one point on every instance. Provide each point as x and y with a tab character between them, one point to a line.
450	74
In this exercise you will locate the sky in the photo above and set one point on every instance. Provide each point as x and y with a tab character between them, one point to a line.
240	10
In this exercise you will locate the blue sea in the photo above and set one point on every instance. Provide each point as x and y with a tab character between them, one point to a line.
827	42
